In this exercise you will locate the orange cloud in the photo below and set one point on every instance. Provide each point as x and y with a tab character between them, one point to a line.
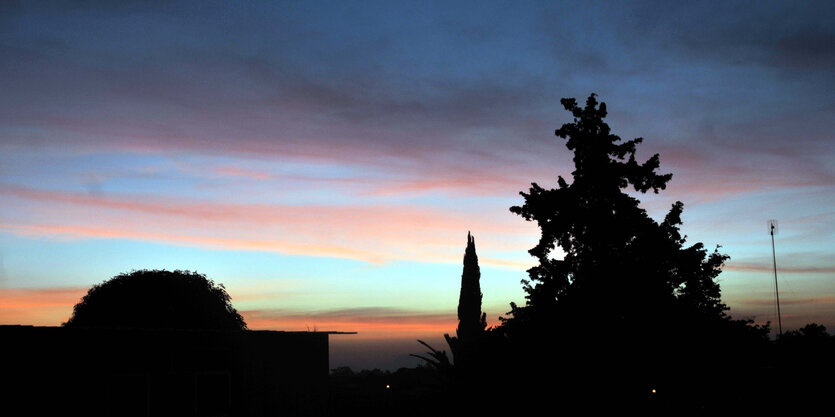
367	322
38	306
53	306
21	298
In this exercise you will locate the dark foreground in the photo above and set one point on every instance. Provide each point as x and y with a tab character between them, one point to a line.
52	371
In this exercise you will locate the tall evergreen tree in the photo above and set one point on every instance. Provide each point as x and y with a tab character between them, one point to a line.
471	321
465	346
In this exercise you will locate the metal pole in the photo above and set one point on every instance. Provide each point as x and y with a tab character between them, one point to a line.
776	290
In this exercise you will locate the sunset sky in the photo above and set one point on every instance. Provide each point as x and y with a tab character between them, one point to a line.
325	160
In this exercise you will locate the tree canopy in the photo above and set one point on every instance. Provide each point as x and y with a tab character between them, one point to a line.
157	299
618	302
618	265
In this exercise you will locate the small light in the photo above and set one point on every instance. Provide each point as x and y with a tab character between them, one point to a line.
388	386
653	390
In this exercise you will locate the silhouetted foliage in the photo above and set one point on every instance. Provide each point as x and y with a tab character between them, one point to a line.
811	331
621	312
618	266
619	304
157	299
802	362
471	321
809	346
436	359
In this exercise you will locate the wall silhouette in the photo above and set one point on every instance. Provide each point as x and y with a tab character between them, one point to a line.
163	372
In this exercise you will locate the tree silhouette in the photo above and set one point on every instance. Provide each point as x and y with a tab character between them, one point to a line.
157	299
471	324
471	321
619	304
811	331
809	346
619	266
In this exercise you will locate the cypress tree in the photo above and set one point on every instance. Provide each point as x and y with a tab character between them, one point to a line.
471	321
471	325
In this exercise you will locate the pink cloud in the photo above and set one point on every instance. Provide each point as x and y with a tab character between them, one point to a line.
767	267
232	171
715	172
825	300
369	233
75	232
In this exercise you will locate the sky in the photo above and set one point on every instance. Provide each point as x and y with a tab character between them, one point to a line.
326	160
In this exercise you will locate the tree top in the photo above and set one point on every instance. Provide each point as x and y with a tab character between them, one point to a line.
157	299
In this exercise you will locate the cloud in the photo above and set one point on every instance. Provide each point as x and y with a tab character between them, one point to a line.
190	95
777	33
220	91
38	306
815	261
367	321
368	233
713	172
234	171
23	298
72	232
52	306
763	267
825	300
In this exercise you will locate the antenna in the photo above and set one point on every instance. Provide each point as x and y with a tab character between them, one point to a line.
772	229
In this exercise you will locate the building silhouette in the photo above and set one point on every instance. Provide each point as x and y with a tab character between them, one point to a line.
141	372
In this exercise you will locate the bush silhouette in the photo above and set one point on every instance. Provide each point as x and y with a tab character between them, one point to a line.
157	299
